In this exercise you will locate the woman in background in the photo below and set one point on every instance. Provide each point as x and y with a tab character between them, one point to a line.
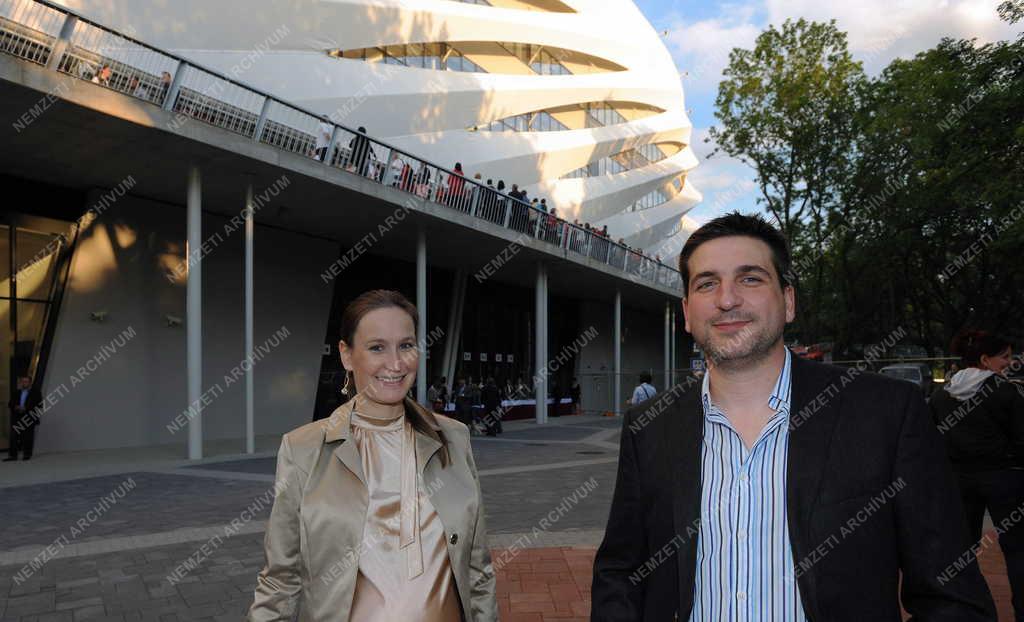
981	414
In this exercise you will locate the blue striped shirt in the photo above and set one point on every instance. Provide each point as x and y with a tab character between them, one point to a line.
745	569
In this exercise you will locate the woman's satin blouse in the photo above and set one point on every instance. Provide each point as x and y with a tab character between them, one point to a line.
404	571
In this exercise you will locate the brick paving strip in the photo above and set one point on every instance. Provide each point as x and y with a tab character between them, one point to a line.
543	575
553	584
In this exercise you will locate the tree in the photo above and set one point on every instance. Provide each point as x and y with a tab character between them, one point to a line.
786	108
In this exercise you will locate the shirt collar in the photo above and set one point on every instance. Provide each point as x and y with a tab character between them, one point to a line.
779	400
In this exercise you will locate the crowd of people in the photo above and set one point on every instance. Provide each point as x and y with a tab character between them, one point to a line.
542	220
489	200
482	405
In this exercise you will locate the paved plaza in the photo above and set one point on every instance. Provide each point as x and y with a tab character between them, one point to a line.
169	540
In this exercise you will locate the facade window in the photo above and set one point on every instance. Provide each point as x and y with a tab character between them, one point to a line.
620	162
598	114
540	59
530	122
420	55
601	114
649	200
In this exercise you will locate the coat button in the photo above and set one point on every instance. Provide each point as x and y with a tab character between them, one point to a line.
455	538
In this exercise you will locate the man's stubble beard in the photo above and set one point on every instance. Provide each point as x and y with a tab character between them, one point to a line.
742	350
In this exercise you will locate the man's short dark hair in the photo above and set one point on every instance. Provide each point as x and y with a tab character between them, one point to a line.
733	224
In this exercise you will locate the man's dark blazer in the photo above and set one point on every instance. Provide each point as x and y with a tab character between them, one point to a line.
32	401
869	493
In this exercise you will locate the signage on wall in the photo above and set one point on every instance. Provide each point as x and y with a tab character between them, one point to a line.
696	363
497	358
483	357
509	358
326	350
466	356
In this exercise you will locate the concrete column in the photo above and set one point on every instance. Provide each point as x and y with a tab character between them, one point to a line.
668	344
421	306
541	334
177	77
672	367
250	426
261	123
617	337
194	313
451	339
60	46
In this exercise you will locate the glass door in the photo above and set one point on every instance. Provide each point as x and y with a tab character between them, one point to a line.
34	260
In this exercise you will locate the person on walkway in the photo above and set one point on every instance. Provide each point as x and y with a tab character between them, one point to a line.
24	419
456	188
475	404
981	415
643	391
102	76
576	392
324	131
434	396
359	151
377	512
463	398
490	395
778	488
165	85
136	88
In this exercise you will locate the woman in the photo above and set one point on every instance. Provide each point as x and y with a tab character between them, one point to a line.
981	415
456	183
378	513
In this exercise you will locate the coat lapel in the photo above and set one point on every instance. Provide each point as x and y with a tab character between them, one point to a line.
814	412
685	441
337	429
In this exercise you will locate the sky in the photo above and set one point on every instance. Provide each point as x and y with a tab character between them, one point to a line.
700	35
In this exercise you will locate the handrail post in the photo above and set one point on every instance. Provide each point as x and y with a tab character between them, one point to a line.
332	146
508	212
475	201
176	80
60	45
261	123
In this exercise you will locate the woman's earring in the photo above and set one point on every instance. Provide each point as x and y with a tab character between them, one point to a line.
348	378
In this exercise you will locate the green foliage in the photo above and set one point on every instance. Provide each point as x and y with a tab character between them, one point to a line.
901	195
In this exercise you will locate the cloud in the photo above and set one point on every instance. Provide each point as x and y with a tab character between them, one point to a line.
878	32
881	30
701	48
726	183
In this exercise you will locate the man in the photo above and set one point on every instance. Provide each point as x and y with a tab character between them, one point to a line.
324	132
24	419
643	391
778	489
434	395
360	151
490	395
463	402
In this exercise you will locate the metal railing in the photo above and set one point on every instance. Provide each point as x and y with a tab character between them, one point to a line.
55	37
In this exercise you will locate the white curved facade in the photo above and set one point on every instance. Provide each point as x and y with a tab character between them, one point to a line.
281	46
